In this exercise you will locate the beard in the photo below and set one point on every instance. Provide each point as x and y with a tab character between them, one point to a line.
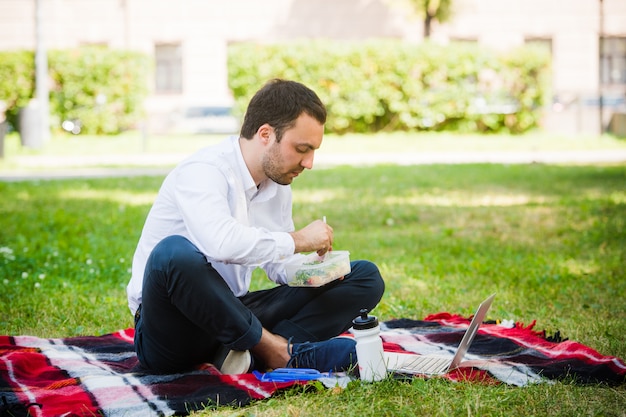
273	166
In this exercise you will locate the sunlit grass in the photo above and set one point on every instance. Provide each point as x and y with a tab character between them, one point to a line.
464	199
120	196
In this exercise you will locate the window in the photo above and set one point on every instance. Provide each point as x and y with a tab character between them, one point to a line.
464	41
541	43
613	61
169	74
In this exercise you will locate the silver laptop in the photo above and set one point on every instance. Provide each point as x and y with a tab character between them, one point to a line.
410	363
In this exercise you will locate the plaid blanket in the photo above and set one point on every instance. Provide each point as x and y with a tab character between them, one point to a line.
503	353
98	375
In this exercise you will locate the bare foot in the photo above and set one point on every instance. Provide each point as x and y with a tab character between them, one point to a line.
272	350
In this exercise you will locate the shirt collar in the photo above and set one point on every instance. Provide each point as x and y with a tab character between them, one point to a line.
266	189
244	173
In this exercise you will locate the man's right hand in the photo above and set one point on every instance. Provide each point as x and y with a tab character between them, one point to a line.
317	236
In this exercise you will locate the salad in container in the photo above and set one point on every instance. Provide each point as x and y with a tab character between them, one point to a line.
313	270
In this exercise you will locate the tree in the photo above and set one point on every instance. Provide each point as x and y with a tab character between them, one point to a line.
439	10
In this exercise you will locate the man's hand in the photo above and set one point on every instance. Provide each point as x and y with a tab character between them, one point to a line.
317	236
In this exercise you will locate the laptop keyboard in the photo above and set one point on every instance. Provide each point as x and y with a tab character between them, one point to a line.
427	365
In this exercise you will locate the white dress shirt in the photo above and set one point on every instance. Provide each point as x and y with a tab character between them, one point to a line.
212	200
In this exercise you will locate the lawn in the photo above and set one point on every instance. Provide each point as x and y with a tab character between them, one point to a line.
549	240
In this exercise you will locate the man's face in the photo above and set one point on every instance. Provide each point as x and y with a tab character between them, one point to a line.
285	160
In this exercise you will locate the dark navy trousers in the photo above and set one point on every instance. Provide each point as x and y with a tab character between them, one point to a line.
188	312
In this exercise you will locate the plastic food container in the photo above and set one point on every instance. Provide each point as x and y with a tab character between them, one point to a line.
311	271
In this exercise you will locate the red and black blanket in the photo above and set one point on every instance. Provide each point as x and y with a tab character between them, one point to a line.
97	375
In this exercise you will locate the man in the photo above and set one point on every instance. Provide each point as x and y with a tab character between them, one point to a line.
220	214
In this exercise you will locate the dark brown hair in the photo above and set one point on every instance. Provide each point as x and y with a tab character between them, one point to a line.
279	103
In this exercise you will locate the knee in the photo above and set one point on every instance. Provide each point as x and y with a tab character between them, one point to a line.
174	250
172	245
369	275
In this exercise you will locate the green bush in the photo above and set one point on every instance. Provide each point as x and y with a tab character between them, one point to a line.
17	82
391	85
102	88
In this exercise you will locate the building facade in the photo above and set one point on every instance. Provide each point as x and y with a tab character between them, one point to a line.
189	39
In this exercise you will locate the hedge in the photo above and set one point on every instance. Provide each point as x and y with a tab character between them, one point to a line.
17	82
391	85
103	89
367	86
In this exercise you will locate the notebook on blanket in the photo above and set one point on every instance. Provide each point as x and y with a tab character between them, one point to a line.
438	364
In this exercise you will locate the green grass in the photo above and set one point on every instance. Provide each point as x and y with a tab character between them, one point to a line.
550	240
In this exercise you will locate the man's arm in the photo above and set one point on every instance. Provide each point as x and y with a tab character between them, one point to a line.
214	213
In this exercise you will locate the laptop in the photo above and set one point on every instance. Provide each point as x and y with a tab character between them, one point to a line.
433	364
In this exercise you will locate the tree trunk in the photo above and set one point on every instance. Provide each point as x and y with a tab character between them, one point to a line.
427	21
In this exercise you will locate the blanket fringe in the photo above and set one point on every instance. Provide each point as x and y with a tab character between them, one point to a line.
9	410
554	338
447	318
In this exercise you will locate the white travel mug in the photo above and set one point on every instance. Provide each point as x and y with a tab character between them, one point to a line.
369	347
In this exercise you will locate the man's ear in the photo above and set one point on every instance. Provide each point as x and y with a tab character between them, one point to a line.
265	132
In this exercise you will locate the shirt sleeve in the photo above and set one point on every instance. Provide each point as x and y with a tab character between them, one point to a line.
213	207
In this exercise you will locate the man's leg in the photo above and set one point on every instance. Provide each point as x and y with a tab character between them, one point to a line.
315	314
188	311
